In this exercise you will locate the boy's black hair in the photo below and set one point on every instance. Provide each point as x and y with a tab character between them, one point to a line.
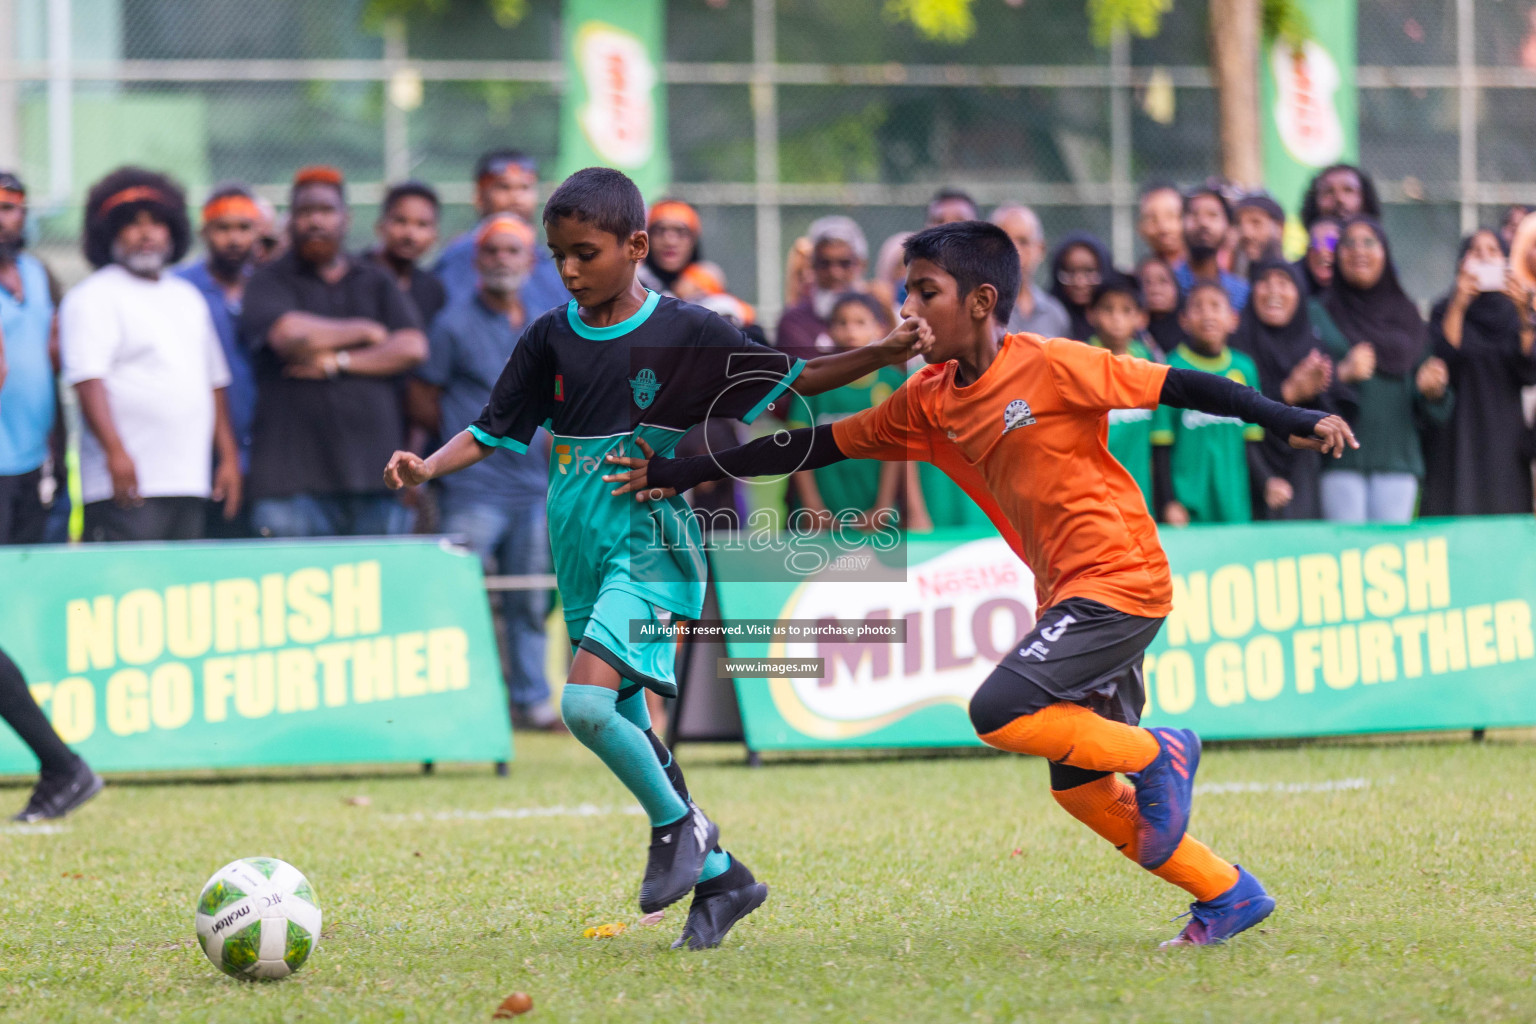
1200	286
406	189
974	253
877	309
601	196
1116	283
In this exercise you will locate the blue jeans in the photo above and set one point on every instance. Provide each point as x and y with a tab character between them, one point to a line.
512	542
1351	497
330	515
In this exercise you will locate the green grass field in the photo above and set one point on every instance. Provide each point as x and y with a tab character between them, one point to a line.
949	889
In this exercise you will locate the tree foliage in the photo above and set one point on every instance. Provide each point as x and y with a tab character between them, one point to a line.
954	22
1142	18
507	13
939	21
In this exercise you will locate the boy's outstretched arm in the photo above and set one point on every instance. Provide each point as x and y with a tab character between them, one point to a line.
825	373
1215	394
407	469
778	454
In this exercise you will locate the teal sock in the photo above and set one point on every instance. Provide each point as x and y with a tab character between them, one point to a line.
632	707
592	715
715	864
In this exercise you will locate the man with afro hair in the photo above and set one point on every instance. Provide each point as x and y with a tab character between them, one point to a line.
140	348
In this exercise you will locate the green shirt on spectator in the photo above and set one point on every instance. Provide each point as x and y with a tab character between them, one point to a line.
1209	458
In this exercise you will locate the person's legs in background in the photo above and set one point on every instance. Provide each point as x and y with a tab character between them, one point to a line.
373	515
1392	497
302	515
1344	496
500	536
524	551
22	517
150	520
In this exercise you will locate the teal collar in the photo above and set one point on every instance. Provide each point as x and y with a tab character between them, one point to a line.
618	330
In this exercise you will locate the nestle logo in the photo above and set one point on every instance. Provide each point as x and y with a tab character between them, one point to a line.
231	918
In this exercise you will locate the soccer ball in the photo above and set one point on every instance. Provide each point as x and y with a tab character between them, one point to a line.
258	918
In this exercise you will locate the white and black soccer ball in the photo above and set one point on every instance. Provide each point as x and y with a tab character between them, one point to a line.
258	918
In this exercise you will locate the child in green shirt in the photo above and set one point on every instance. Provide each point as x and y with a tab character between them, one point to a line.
1204	463
861	486
1118	317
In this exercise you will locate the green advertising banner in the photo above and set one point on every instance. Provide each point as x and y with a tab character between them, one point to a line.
614	109
149	656
1309	107
1277	630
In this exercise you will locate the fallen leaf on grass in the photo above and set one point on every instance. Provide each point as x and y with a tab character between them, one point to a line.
604	931
654	917
358	801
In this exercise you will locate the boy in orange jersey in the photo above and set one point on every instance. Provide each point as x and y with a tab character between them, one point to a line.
1020	423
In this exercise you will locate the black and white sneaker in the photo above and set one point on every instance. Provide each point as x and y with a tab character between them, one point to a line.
677	856
718	904
57	795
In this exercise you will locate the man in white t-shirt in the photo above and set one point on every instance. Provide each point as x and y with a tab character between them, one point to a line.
141	351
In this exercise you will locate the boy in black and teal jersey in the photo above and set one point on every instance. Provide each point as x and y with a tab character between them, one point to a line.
1204	463
1119	320
622	370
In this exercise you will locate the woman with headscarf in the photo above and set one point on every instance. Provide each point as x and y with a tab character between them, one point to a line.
1160	293
1078	265
1317	264
1397	384
674	264
1479	462
1288	338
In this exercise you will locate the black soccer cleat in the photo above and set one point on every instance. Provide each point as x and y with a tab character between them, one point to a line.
57	795
677	856
718	904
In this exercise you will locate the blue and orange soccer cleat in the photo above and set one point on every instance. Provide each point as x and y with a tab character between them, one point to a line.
1165	789
1236	910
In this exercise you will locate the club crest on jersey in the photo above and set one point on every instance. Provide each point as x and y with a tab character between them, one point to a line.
1017	415
645	385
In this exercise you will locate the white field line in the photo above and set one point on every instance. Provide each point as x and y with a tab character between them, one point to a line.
515	813
32	830
1325	786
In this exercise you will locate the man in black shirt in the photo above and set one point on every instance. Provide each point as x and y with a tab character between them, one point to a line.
407	228
331	336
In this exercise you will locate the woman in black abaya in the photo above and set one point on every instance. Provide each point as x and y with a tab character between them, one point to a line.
1479	462
1281	332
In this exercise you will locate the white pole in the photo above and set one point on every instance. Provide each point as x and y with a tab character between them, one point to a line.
765	123
1466	96
61	129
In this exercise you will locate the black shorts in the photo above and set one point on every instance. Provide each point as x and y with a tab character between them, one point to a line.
1080	652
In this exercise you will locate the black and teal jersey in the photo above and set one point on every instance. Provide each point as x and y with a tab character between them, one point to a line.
599	389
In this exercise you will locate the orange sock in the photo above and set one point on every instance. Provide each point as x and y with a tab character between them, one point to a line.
1108	806
1074	735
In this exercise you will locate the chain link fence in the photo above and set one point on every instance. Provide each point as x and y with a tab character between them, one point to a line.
779	111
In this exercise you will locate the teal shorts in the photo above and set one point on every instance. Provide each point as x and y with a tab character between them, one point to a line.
605	631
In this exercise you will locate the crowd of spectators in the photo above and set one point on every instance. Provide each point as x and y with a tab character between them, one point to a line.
259	388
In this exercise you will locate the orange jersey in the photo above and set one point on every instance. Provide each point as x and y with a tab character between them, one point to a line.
1027	442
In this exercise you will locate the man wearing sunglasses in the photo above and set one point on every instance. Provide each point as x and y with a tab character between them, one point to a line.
839	253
